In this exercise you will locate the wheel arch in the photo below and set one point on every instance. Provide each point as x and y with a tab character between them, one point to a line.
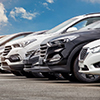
74	53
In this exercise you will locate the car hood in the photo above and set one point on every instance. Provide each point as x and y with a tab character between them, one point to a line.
93	44
38	38
80	33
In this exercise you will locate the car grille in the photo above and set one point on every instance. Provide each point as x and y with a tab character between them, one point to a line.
7	50
83	54
43	49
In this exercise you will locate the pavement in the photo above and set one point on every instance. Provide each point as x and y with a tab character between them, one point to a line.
22	88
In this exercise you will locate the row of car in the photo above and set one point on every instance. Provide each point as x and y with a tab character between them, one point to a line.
55	53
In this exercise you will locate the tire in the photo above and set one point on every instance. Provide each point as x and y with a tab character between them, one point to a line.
52	76
83	77
16	73
45	74
59	76
69	77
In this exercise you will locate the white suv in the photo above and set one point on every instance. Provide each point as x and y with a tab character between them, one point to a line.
13	39
8	38
89	59
15	51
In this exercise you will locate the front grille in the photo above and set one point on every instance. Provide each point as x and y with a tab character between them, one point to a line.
43	49
7	50
83	54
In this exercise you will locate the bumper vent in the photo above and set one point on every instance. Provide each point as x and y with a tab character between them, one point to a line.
7	50
43	49
83	54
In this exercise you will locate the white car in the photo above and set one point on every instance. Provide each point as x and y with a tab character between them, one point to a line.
89	59
15	51
8	38
15	37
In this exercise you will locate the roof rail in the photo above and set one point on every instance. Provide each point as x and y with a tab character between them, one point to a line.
93	13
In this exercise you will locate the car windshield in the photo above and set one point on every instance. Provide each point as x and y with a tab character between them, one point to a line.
62	25
92	26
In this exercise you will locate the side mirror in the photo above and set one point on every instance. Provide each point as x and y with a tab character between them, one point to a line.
71	29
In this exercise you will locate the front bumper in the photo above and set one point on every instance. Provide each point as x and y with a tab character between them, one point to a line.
28	62
6	67
90	65
46	69
37	69
18	67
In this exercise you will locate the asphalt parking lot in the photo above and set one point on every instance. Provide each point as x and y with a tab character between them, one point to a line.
22	88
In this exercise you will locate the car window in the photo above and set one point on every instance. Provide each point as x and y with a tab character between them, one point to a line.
60	26
92	26
86	22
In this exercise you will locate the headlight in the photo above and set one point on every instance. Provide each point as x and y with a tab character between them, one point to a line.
16	45
27	42
62	40
32	53
96	49
37	52
57	42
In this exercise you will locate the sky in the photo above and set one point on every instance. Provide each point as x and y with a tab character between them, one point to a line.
36	15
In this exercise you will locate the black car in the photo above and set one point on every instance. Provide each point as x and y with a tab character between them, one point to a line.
60	54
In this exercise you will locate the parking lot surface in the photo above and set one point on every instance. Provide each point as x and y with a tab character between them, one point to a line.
22	88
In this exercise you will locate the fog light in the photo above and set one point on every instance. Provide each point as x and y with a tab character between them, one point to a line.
14	58
56	57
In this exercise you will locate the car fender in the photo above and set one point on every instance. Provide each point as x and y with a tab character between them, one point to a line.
74	53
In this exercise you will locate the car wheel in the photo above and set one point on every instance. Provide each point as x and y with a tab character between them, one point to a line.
52	76
83	77
69	77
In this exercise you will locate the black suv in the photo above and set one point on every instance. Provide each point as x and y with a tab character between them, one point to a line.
60	54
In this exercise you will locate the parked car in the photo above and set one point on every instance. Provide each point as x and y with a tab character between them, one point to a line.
9	38
89	58
60	54
14	58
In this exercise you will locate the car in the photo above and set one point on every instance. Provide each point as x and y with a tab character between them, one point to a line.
72	24
11	37
60	54
89	58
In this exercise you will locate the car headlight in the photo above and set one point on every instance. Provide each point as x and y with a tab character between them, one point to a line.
57	42
62	40
27	42
32	53
96	49
16	45
37	52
